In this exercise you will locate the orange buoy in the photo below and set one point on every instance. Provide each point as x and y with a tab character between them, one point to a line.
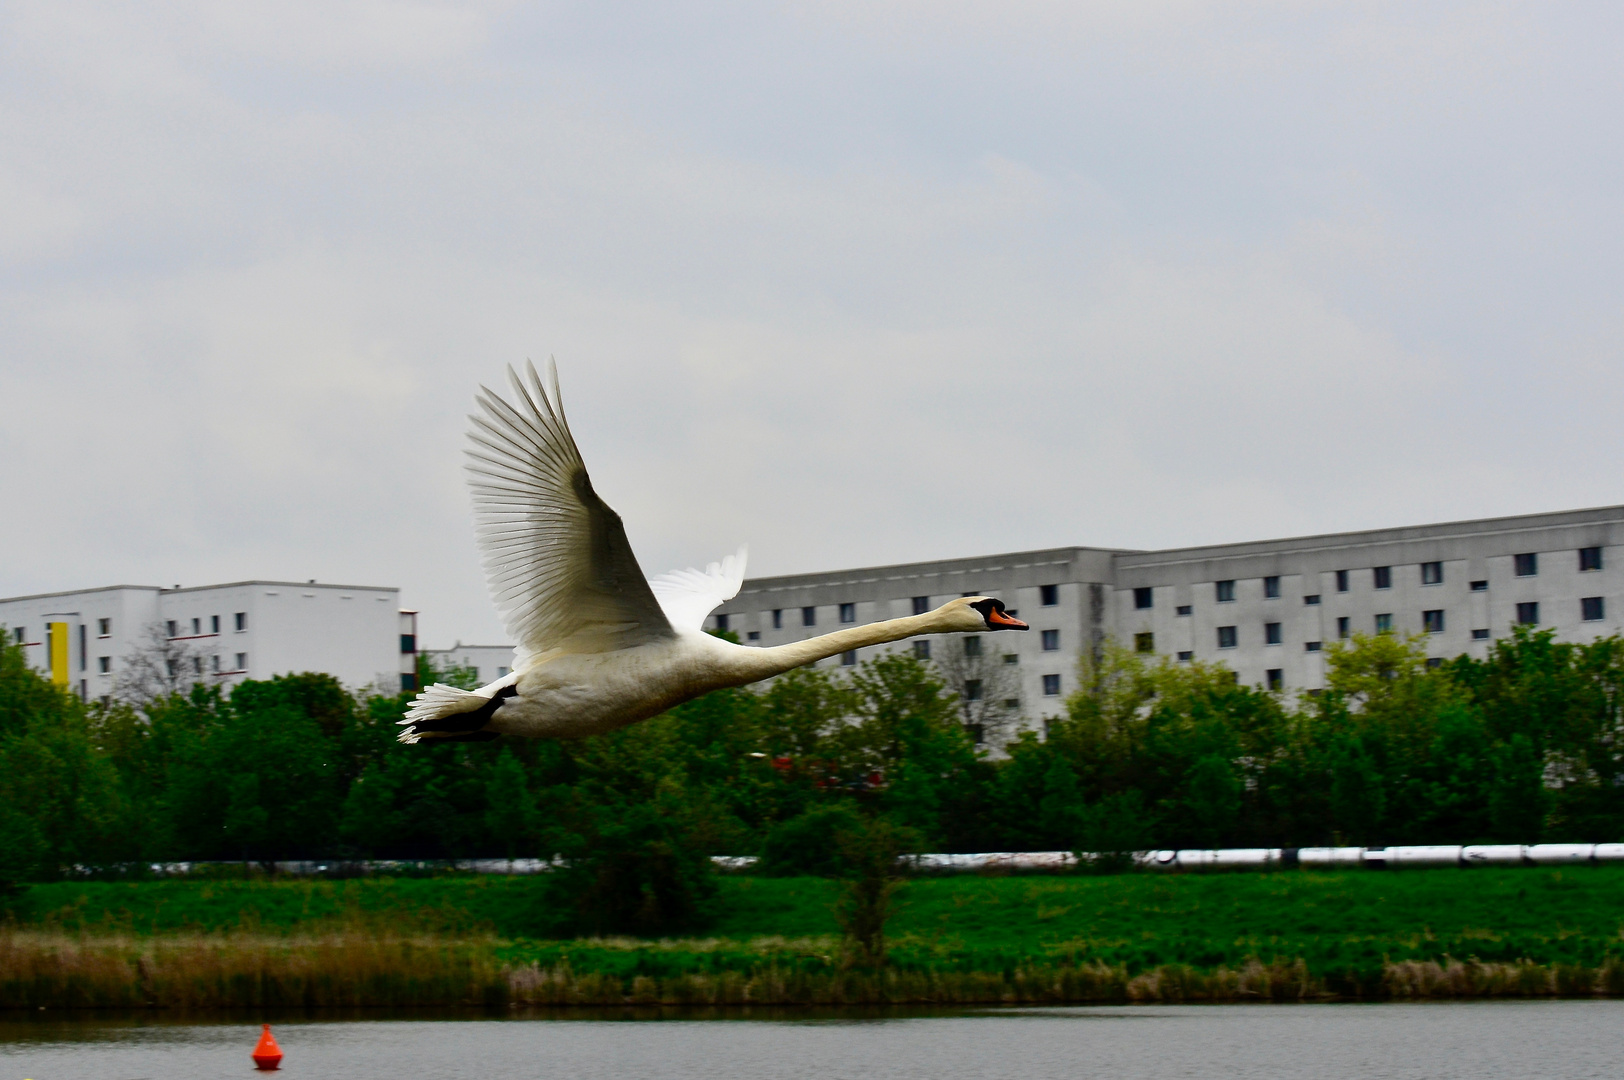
267	1055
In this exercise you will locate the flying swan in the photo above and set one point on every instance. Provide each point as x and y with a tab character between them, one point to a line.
599	646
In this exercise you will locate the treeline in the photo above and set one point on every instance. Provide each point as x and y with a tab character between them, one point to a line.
1521	746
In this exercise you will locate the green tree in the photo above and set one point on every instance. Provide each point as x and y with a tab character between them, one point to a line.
872	853
510	808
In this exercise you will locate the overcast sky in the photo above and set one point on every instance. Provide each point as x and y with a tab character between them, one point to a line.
854	282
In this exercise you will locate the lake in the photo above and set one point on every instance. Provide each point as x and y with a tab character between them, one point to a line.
1565	1040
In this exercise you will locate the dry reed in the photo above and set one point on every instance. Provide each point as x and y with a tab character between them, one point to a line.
214	971
352	967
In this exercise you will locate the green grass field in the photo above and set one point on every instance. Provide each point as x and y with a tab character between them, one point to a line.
1350	920
1292	935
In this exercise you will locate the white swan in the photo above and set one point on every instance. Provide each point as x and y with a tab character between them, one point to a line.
600	647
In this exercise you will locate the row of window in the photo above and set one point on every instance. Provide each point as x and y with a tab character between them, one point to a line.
173	628
921	650
1432	573
104	664
1591	609
173	665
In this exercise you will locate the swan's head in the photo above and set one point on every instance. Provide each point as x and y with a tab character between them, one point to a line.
971	614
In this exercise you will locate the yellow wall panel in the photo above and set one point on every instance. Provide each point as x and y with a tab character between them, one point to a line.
57	639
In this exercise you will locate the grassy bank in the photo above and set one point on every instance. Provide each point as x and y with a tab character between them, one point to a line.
1282	936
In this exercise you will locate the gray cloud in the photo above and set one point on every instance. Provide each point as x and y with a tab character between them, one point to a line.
854	283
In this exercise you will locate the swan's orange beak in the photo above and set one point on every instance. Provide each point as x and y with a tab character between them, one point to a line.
999	620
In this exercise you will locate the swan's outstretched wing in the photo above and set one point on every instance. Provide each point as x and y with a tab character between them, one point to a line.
687	596
559	566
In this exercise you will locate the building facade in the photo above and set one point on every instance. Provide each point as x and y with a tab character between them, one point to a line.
487	662
84	639
1266	609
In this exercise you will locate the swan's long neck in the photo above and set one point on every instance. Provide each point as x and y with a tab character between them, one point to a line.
765	663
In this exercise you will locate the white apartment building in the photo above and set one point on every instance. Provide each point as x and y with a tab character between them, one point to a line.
1264	608
487	662
242	630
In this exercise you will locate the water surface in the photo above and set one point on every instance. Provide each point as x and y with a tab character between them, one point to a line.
1562	1040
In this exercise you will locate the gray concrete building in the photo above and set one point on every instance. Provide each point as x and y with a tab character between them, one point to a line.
1265	608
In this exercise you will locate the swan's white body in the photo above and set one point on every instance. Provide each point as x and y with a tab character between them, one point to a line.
599	646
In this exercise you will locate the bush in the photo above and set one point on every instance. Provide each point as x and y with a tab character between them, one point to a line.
809	843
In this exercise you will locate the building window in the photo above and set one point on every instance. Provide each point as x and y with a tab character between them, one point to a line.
753	635
1432	573
848	658
972	689
1183	609
1434	662
214	624
1592	608
171	629
1341	581
20	633
1271	587
1186	656
1311	646
1225	590
1480	635
1051	686
721	622
197	627
1226	637
1382	576
1526	565
1142	598
809	616
1589	559
778	618
214	662
242	663
1276	678
972	646
503	672
1480	586
1051	640
1144	642
1344	627
1271	633
408	643
921	604
104	627
922	649
1432	622
1013	704
1528	614
1312	599
104	664
848	613
408	681
1384	623
242	620
1049	595
1011	658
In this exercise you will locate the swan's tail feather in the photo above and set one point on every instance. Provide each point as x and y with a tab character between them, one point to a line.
445	712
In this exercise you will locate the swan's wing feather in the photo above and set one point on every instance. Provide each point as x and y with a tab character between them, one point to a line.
687	596
556	557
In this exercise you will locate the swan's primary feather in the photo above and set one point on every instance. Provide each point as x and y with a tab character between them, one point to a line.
687	596
556	557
